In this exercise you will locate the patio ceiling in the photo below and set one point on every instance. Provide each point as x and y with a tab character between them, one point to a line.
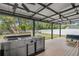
47	12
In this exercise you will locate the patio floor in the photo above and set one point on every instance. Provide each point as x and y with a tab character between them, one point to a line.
58	47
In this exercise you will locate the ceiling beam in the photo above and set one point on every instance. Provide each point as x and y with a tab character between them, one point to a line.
35	12
41	14
20	15
73	19
25	7
72	15
48	8
21	8
24	16
51	10
76	11
32	3
14	8
30	10
41	9
64	11
73	6
60	16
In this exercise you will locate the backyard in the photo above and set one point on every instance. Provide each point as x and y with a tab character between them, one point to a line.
46	35
16	25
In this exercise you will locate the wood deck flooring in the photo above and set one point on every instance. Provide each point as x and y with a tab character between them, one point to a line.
58	47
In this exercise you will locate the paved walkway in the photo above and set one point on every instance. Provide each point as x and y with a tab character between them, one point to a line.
58	47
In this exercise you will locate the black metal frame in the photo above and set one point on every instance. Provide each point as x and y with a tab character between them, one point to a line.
33	27
29	11
15	6
52	10
52	30
41	9
4	12
31	17
60	30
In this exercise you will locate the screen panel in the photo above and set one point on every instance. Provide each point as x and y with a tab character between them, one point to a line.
34	8
6	7
55	17
47	12
75	16
39	16
20	11
59	6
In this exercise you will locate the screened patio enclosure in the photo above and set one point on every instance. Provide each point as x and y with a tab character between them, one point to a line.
52	13
27	25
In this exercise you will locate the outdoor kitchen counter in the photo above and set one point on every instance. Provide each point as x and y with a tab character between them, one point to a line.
22	46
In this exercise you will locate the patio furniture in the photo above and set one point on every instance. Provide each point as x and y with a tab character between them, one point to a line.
73	38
